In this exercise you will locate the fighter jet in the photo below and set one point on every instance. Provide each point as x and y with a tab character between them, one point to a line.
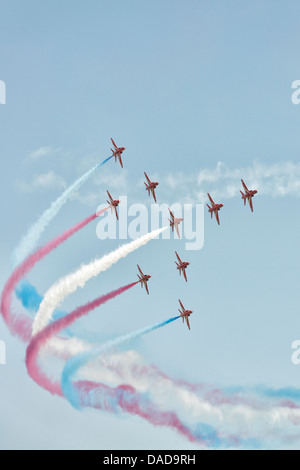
113	204
181	266
117	152
185	314
248	196
143	279
150	186
214	209
174	222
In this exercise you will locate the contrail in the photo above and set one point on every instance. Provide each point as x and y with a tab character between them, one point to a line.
124	397
210	419
70	283
217	412
39	340
75	363
20	324
30	240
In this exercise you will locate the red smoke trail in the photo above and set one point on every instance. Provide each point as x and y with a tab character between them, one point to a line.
125	396
20	324
209	393
130	401
52	330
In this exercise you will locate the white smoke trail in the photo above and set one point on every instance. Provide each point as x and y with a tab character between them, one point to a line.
256	418
253	419
275	180
70	283
31	238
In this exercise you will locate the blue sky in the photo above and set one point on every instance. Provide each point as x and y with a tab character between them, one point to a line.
183	86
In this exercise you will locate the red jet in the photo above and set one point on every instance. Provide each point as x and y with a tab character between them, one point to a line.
117	152
113	204
150	186
248	196
185	314
214	209
181	266
175	222
143	279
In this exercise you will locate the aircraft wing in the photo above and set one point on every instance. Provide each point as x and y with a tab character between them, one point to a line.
120	159
109	195
116	212
153	194
147	177
114	144
184	273
177	230
245	187
187	322
178	257
250	203
140	270
181	304
210	198
171	214
217	217
146	287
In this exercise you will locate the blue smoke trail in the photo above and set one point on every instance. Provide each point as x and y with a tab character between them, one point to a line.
289	393
29	296
31	238
31	300
76	362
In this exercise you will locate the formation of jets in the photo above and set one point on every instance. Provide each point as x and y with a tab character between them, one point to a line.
181	266
247	196
213	209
